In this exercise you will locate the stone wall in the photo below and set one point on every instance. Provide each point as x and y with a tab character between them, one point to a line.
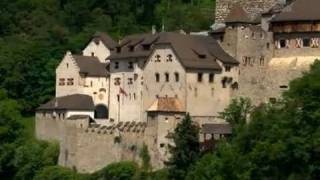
253	48
88	147
48	128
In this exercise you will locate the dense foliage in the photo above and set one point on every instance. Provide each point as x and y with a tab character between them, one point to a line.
35	34
282	140
21	157
186	150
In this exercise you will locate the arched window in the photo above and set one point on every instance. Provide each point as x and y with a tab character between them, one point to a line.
176	75
167	77
101	112
157	77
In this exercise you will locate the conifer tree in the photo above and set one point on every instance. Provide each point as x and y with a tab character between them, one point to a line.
186	149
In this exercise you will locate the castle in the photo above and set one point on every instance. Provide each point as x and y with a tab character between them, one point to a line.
117	96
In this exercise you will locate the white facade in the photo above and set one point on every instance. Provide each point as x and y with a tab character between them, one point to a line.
97	49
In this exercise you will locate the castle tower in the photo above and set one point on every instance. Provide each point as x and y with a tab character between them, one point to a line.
253	7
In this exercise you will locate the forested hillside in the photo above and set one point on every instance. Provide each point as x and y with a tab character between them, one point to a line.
35	34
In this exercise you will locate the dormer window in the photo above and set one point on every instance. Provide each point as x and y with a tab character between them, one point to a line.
118	49
169	58
131	48
146	47
157	58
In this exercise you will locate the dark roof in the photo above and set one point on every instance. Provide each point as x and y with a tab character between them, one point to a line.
216	129
217	51
105	38
238	15
275	9
166	104
300	10
90	65
136	41
70	102
194	51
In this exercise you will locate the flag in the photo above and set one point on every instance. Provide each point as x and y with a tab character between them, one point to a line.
121	91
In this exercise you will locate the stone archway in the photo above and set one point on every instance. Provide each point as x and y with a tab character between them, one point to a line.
101	112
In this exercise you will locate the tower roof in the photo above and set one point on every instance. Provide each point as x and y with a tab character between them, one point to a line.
299	10
238	15
166	104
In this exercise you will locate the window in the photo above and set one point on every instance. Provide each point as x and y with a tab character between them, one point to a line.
306	42
117	81
61	82
268	45
261	60
92	53
67	65
283	43
169	58
224	82
91	83
211	78
70	82
135	76
134	96
130	81
227	68
195	92
157	58
162	145
118	49
176	75
131	48
200	77
167	77
212	92
130	66
146	47
283	87
272	100
116	65
157	77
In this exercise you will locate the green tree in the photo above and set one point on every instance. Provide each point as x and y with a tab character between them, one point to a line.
280	142
145	156
124	170
186	150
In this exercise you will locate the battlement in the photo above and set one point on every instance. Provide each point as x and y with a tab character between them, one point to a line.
121	127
